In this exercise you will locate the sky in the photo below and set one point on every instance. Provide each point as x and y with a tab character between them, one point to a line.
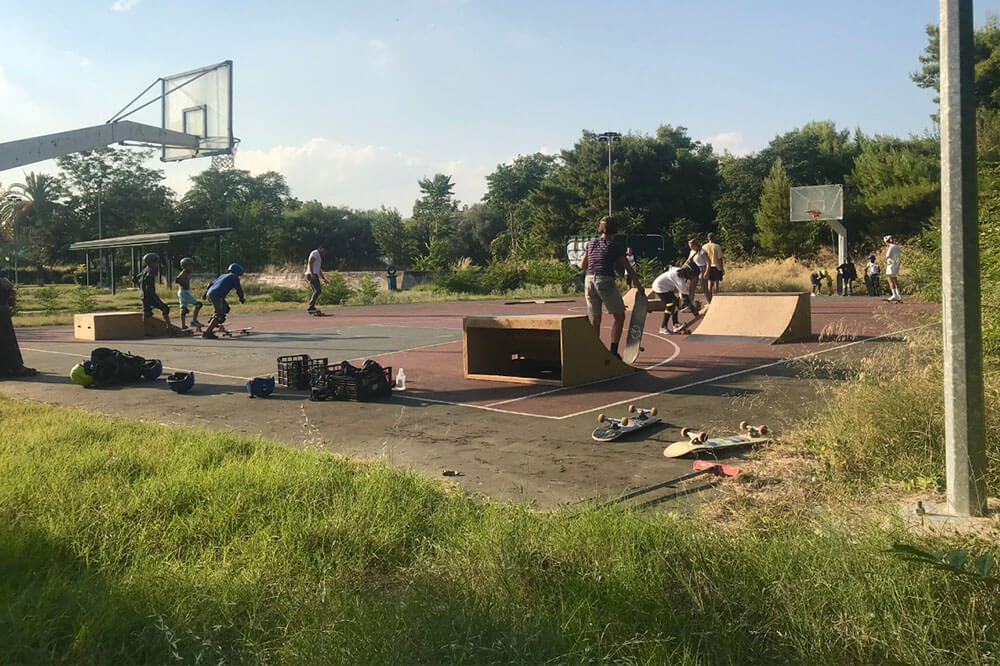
355	101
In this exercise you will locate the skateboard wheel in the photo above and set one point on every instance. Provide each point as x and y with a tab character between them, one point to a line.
601	418
631	409
743	425
652	412
642	349
625	421
702	436
685	431
764	430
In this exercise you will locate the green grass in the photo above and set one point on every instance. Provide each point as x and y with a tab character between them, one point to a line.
124	541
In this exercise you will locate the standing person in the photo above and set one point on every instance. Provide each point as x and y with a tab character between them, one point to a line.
872	272
630	258
699	260
892	263
11	362
146	281
217	293
315	275
184	295
599	259
671	287
716	266
848	274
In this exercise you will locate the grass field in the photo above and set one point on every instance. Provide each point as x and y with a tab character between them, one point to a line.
124	541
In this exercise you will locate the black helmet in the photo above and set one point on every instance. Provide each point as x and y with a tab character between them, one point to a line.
236	269
150	258
187	261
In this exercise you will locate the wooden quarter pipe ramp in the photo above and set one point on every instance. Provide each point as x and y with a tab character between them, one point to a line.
765	318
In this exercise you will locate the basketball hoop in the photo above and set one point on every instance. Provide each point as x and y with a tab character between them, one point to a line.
227	161
814	213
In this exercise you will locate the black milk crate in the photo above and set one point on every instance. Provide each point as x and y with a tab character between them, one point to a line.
335	384
293	371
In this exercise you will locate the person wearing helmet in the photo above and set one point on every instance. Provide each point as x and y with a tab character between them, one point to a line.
872	271
817	278
11	362
671	287
217	293
146	281
892	261
184	295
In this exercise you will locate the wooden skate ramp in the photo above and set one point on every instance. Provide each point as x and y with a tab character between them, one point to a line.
558	350
765	318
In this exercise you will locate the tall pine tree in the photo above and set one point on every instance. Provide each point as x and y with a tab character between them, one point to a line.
776	235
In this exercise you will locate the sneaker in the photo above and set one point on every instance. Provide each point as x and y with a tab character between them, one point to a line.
209	336
665	331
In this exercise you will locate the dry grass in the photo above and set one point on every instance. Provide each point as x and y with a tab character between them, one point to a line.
770	275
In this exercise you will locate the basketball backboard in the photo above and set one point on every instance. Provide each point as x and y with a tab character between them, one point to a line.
199	102
816	203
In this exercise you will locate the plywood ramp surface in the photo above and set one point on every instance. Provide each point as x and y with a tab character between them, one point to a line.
766	318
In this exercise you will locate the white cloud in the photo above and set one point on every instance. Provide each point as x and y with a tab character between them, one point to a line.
380	52
734	142
124	5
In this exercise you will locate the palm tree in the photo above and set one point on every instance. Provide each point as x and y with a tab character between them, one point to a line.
40	198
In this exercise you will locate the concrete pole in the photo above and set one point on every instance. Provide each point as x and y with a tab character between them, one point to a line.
964	420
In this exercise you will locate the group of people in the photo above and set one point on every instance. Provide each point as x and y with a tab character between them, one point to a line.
848	273
676	286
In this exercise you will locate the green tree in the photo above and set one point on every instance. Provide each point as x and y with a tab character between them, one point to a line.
42	226
433	221
741	182
390	236
776	235
509	188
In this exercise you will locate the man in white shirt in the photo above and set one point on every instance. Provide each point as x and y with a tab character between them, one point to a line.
671	288
892	263
699	259
315	275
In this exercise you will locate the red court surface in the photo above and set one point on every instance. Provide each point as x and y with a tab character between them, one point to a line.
434	369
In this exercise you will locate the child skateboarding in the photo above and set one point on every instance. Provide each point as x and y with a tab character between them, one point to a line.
671	288
184	295
217	293
146	281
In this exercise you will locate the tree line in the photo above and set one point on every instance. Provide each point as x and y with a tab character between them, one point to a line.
664	183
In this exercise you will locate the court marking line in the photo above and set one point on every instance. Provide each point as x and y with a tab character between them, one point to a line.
677	351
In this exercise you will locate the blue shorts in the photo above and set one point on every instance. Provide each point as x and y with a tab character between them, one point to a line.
186	298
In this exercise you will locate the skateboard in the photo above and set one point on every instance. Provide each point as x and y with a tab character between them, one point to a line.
636	324
698	441
317	313
701	467
233	332
611	429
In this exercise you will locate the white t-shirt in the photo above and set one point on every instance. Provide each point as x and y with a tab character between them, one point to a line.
670	281
892	259
314	264
873	268
699	257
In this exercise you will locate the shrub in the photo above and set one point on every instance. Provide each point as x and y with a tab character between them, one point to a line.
648	269
367	289
48	297
84	300
335	291
286	295
466	279
80	273
501	276
550	271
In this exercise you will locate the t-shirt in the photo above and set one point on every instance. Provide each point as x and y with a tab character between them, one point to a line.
714	253
670	281
314	264
224	284
602	255
848	271
147	282
892	259
873	268
699	258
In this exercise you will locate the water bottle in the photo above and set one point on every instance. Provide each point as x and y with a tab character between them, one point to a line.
400	380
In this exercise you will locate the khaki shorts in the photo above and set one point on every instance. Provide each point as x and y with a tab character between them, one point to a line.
601	289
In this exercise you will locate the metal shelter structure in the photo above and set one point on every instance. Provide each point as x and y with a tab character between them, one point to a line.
140	243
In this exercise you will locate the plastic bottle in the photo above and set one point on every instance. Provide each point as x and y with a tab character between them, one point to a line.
400	380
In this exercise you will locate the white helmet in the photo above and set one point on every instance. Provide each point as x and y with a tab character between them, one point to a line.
886	239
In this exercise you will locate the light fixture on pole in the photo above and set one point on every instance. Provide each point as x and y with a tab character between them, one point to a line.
609	138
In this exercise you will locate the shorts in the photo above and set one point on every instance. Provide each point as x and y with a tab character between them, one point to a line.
892	270
186	298
601	289
221	308
153	302
714	274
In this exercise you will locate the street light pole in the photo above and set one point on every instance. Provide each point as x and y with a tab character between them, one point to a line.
609	138
100	230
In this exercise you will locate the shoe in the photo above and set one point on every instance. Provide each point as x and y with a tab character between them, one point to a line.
209	336
665	331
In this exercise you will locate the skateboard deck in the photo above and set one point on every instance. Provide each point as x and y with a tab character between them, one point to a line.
233	332
636	324
317	313
611	429
714	445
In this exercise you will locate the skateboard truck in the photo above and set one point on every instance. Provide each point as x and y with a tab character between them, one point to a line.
640	415
695	436
754	431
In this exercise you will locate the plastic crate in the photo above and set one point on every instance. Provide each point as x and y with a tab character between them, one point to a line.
335	383
293	371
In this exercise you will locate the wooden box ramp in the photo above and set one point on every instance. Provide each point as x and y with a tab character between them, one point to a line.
557	350
653	302
765	318
108	326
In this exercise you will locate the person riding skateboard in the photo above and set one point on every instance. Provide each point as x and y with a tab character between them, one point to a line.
671	288
146	281
11	361
217	293
315	275
892	263
599	260
184	295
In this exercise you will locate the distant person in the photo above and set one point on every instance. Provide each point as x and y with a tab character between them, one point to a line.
699	260
184	295
872	273
671	288
217	293
716	266
146	281
599	260
315	275
630	258
848	274
892	263
817	278
11	362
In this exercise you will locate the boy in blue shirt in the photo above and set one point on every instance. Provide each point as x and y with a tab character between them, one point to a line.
217	293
